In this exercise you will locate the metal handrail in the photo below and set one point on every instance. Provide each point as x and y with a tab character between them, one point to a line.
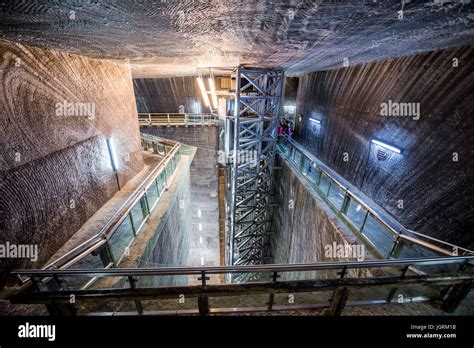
114	222
327	171
266	268
175	119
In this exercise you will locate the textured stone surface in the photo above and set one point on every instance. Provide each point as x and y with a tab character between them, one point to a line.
204	209
56	170
169	95
437	192
169	230
303	224
102	216
176	36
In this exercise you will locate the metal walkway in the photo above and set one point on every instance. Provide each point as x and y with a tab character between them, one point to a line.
177	119
254	128
443	282
388	237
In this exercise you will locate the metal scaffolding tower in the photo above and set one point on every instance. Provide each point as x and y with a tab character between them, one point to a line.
254	127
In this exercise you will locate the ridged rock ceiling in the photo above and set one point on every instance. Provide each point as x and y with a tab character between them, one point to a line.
165	38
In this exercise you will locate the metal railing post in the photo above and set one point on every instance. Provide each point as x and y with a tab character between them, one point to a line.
60	282
455	295
393	291
138	304
396	247
134	230
339	296
271	297
203	300
345	203
106	254
363	222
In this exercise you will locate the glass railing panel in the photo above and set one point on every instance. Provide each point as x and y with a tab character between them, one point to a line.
324	183
161	181
121	238
168	170
408	249
171	165
250	277
356	213
378	234
162	280
180	303
285	147
306	165
336	195
161	149
50	284
139	212
76	283
313	173
302	298
91	260
239	301
152	194
412	250
296	157
176	160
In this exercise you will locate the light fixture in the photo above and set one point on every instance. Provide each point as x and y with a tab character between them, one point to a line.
203	92
315	121
213	92
113	155
389	147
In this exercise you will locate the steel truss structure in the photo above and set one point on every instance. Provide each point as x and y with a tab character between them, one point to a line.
258	106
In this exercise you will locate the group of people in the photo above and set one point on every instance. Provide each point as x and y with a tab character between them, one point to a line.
285	128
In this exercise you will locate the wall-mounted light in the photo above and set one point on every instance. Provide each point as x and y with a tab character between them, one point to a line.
315	121
388	147
203	92
113	159
113	154
213	92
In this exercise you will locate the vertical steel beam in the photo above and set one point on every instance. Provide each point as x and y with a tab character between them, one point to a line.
258	105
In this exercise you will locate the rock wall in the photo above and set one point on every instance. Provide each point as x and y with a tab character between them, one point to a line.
55	163
204	180
433	175
303	225
174	94
170	243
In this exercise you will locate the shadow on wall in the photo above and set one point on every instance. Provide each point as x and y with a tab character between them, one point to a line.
420	105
